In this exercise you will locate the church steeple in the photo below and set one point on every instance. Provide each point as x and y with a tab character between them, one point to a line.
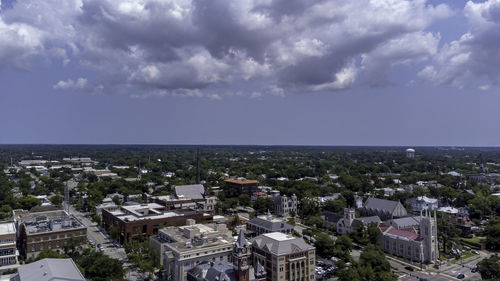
241	258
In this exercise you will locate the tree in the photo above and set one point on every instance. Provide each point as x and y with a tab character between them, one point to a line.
324	244
490	268
336	206
376	266
447	230
373	233
114	232
308	207
262	205
359	235
116	200
315	221
492	233
100	267
244	200
44	254
343	247
56	200
28	202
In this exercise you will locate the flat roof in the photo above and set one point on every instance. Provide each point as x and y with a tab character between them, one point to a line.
241	182
278	236
7	228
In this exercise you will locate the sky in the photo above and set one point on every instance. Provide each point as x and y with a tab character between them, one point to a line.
262	72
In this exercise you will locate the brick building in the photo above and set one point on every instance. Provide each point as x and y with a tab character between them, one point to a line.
236	187
49	230
146	219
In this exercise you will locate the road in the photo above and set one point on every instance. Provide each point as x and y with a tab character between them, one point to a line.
117	252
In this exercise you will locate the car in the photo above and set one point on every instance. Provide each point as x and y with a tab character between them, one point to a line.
474	269
461	276
475	252
409	268
423	279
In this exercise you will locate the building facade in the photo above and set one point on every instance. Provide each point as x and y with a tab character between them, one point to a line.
267	224
146	219
417	246
184	247
47	231
284	257
349	222
285	206
236	187
8	250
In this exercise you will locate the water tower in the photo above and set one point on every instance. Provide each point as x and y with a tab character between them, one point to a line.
410	153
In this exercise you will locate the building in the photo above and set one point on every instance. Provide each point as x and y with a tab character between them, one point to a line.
285	206
236	187
422	203
266	224
410	153
8	250
284	257
348	223
107	204
146	219
240	269
47	230
384	209
330	218
184	247
417	246
187	197
49	270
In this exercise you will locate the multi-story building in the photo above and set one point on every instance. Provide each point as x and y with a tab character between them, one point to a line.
267	224
8	250
284	257
47	230
418	246
146	219
187	196
285	206
235	187
182	248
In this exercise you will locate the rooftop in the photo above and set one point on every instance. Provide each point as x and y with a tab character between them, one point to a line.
40	222
7	228
50	270
192	191
281	244
242	182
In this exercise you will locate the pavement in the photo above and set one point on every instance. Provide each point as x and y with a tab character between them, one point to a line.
115	251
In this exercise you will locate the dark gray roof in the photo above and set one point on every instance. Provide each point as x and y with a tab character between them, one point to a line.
192	191
50	270
279	243
242	241
381	204
332	217
220	270
406	221
366	220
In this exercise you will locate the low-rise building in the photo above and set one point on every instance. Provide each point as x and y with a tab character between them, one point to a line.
49	230
146	219
267	224
348	223
182	248
8	250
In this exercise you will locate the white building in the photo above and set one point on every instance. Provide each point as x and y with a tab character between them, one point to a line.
284	206
422	203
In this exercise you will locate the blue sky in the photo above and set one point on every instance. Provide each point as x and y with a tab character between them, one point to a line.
250	72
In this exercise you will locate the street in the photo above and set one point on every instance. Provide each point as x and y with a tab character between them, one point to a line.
116	252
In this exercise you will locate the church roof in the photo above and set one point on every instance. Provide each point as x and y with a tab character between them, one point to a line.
242	241
381	204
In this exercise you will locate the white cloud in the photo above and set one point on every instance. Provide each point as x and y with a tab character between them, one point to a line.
79	83
474	58
184	47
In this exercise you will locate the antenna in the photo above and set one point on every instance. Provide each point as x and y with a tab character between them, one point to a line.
66	198
198	166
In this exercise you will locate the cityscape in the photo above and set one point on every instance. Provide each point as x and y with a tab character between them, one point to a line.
249	140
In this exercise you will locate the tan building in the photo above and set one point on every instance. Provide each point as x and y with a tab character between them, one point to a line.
184	247
284	257
8	250
49	230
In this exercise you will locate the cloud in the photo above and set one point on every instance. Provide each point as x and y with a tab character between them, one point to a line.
181	47
80	84
473	59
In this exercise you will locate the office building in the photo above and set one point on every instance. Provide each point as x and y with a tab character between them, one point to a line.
8	250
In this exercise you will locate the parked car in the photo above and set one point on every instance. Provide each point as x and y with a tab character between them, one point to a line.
409	268
475	252
461	276
474	269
